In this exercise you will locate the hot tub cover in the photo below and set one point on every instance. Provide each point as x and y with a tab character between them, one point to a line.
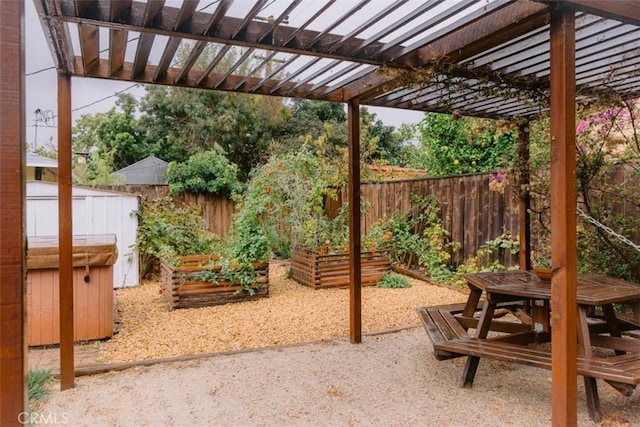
88	250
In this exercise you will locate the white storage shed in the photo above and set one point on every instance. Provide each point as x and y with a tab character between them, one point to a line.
94	212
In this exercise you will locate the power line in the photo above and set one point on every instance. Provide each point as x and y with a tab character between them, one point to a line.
53	67
272	2
106	97
90	104
209	5
39	71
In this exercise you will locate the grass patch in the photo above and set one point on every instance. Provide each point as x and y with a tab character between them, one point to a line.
38	385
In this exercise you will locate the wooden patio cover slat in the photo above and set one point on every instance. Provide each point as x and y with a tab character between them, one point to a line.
462	36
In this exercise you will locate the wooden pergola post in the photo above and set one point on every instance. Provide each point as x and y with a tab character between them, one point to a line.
355	273
65	232
563	217
13	352
524	202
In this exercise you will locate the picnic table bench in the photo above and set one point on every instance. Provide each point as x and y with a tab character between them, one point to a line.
526	296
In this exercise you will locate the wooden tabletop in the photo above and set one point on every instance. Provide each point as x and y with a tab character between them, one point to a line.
592	289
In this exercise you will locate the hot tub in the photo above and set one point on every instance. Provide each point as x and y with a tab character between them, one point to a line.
93	259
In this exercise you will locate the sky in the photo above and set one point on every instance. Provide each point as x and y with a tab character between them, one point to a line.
90	96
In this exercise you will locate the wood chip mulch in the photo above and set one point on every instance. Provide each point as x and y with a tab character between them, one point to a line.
292	314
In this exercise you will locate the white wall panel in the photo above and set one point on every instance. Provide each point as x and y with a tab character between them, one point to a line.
94	212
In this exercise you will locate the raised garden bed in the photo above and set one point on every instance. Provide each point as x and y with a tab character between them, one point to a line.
320	271
183	286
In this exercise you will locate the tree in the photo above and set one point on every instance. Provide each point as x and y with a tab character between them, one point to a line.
387	140
110	140
608	140
453	145
183	122
47	150
607	146
306	119
114	132
327	121
324	111
205	172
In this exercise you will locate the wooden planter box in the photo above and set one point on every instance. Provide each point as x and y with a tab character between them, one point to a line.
183	289
319	271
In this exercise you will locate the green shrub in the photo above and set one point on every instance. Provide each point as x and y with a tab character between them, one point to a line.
166	230
487	258
208	172
247	242
391	280
283	207
416	239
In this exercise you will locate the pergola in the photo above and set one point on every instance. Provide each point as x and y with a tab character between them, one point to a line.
502	59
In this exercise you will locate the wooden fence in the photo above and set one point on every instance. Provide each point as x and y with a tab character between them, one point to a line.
217	211
471	212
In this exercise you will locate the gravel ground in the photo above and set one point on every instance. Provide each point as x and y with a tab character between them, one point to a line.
388	380
292	314
391	379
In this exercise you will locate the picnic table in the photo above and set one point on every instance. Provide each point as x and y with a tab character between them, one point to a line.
607	346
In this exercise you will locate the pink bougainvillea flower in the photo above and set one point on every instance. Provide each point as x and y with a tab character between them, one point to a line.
497	176
582	126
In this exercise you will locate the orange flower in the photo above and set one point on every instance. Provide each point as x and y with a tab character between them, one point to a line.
267	189
279	165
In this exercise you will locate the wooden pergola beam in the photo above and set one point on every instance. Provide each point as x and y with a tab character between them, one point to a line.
524	203
65	233
117	48
150	12
481	34
563	218
243	33
355	262
215	28
13	354
627	11
58	38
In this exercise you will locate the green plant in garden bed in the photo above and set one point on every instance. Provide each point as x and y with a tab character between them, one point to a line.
168	231
284	205
418	240
487	258
243	274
